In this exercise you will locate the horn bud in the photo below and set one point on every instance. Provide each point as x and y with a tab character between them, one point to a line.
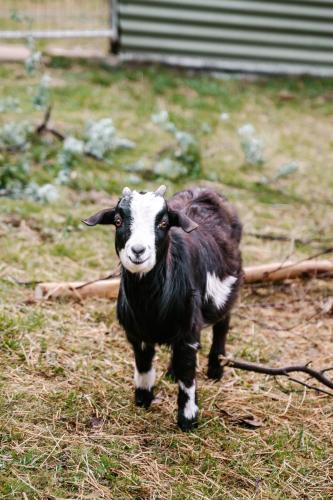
161	190
126	192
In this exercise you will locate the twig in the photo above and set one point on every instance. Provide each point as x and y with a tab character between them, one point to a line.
276	328
114	274
283	371
282	237
22	283
40	128
330	368
56	133
14	148
43	127
309	386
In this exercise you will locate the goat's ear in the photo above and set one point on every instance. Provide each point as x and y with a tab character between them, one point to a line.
103	217
179	219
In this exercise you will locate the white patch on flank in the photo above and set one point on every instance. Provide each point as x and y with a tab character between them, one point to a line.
144	380
219	290
194	346
191	408
144	208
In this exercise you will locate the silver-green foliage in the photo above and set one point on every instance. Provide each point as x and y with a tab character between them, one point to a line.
252	145
11	104
41	97
45	193
101	138
185	158
14	135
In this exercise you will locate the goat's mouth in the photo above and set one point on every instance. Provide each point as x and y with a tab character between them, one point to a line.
137	262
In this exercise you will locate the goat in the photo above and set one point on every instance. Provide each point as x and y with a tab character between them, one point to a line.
181	271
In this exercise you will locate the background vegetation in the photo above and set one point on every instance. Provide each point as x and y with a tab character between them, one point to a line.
68	426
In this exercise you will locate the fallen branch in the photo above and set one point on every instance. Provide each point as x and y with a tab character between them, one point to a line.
108	288
287	270
283	371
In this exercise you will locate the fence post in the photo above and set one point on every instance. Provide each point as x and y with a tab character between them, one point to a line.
113	16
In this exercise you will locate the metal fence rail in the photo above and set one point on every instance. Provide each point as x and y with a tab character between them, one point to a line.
58	19
278	36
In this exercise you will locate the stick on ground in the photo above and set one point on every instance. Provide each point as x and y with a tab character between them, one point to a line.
78	289
283	371
108	288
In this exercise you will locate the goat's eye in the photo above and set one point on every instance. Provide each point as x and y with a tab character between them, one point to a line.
118	221
163	224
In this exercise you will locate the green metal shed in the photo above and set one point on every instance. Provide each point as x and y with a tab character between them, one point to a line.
240	35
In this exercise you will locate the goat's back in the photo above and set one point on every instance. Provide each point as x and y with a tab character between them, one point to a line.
210	210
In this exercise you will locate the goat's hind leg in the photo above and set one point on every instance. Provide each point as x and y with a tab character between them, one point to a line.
144	374
170	373
220	330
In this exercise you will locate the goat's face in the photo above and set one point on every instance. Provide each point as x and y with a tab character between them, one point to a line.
142	221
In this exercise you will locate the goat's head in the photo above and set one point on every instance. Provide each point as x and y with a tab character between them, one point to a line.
142	221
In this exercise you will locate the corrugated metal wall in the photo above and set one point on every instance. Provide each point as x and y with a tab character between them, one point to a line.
243	35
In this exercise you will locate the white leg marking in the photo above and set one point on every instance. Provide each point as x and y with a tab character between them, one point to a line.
144	380
194	346
219	290
191	408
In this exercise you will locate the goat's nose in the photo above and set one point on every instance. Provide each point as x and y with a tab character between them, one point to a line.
138	249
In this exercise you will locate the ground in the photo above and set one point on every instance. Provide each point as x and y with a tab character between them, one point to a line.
68	425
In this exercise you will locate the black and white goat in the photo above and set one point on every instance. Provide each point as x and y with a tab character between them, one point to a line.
181	271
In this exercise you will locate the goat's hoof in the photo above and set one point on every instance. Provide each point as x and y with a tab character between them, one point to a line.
143	397
215	371
187	424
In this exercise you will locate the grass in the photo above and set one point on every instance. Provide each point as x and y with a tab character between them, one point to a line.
68	426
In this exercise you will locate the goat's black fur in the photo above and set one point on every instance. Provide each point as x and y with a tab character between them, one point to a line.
169	305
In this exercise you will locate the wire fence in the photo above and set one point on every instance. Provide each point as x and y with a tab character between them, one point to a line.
57	19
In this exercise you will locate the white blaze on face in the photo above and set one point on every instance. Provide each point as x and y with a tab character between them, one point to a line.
144	209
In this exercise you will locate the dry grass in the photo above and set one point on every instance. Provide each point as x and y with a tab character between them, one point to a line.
68	426
70	429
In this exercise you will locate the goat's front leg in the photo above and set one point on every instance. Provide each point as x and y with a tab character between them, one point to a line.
144	373
184	365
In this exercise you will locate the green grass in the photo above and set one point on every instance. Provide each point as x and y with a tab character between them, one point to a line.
68	426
